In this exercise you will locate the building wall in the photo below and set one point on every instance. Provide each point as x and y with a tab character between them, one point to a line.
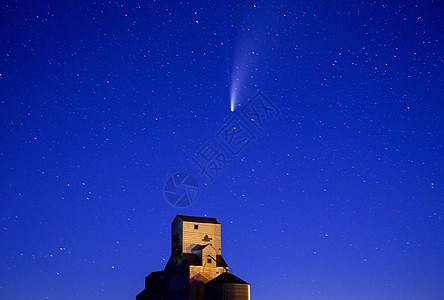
209	265
189	237
176	237
198	277
227	291
177	285
192	237
205	274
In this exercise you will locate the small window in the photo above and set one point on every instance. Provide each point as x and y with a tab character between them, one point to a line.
196	226
209	260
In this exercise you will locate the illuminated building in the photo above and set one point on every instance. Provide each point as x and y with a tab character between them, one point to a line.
196	269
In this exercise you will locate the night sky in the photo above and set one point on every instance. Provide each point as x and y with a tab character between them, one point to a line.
338	194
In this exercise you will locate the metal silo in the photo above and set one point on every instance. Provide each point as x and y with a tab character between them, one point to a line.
227	287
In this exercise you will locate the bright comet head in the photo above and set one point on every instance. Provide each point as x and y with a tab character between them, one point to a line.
232	101
233	96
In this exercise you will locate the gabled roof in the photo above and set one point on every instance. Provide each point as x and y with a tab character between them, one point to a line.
199	247
198	219
221	261
226	278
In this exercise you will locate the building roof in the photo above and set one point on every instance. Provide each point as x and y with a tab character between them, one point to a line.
193	260
156	274
199	247
221	261
198	219
226	278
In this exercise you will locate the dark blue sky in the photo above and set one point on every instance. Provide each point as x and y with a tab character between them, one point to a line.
339	197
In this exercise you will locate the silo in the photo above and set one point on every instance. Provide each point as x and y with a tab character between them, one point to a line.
227	287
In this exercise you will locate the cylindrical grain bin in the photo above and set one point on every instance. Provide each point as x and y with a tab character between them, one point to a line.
227	287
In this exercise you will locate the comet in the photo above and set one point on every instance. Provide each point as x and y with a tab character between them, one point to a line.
234	87
233	96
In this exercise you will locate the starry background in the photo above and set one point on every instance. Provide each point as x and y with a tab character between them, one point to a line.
339	197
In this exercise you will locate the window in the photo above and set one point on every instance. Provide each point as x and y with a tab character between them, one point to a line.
196	226
209	260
